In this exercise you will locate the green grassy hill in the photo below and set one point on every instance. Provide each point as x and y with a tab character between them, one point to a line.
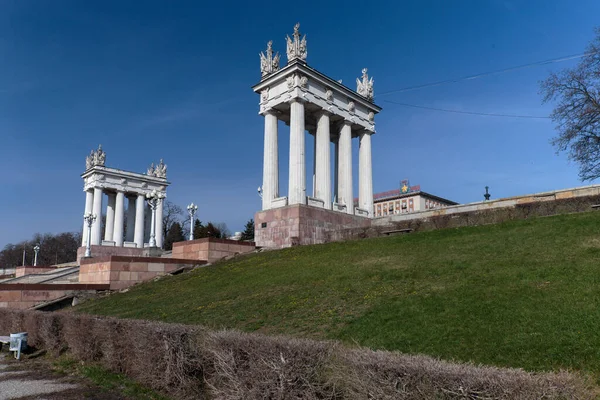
519	294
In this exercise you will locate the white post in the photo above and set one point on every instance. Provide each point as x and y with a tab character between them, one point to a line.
270	188
365	174
89	219
129	233
159	223
345	168
297	180
97	211
36	249
110	217
192	208
139	221
89	199
119	214
322	160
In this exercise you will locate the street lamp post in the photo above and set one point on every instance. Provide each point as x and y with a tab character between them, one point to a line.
36	249
89	219
153	198
192	208
487	194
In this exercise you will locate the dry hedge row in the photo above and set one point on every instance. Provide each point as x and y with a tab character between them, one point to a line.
191	362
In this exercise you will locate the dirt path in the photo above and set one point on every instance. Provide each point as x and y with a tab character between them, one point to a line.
34	379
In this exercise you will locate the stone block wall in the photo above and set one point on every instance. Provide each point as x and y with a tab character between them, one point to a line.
23	296
210	249
104	251
120	272
301	225
30	269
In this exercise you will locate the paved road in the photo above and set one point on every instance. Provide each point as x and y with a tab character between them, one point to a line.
18	384
35	380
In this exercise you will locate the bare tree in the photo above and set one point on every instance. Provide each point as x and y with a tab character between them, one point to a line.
171	213
576	92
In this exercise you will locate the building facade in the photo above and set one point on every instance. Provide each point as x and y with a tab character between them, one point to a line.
407	199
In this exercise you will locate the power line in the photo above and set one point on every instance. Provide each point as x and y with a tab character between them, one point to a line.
467	112
499	71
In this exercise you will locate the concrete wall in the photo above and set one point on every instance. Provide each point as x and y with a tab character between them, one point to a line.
22	296
119	272
509	202
210	249
301	225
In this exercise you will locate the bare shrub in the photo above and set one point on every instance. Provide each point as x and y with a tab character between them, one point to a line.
189	362
243	366
366	374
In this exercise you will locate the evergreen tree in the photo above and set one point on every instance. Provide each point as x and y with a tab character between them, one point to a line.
213	231
175	234
199	230
248	233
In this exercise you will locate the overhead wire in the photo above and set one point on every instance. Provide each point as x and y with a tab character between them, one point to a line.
476	76
480	75
467	112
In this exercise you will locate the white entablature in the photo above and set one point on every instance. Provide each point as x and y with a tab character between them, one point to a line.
299	81
112	179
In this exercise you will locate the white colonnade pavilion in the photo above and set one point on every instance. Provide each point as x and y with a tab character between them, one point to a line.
127	225
307	100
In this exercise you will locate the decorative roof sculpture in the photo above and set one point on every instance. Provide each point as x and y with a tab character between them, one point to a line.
96	157
296	48
268	62
365	87
160	171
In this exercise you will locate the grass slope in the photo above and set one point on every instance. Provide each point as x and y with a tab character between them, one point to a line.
520	294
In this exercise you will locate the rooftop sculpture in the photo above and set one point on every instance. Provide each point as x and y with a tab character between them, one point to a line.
160	171
296	48
268	62
96	157
364	87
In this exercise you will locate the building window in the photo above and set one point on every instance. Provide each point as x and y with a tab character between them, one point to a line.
411	205
404	206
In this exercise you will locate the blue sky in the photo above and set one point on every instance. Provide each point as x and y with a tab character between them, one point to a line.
157	79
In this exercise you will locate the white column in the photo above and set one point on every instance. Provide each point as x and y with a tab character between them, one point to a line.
297	181
89	199
365	174
148	224
270	188
139	220
314	175
345	167
322	160
159	224
110	217
97	210
336	170
119	214
129	234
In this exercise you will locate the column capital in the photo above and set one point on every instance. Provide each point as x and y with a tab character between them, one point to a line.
269	111
297	100
321	112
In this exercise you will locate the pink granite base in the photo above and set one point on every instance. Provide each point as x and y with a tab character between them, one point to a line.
301	225
105	251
